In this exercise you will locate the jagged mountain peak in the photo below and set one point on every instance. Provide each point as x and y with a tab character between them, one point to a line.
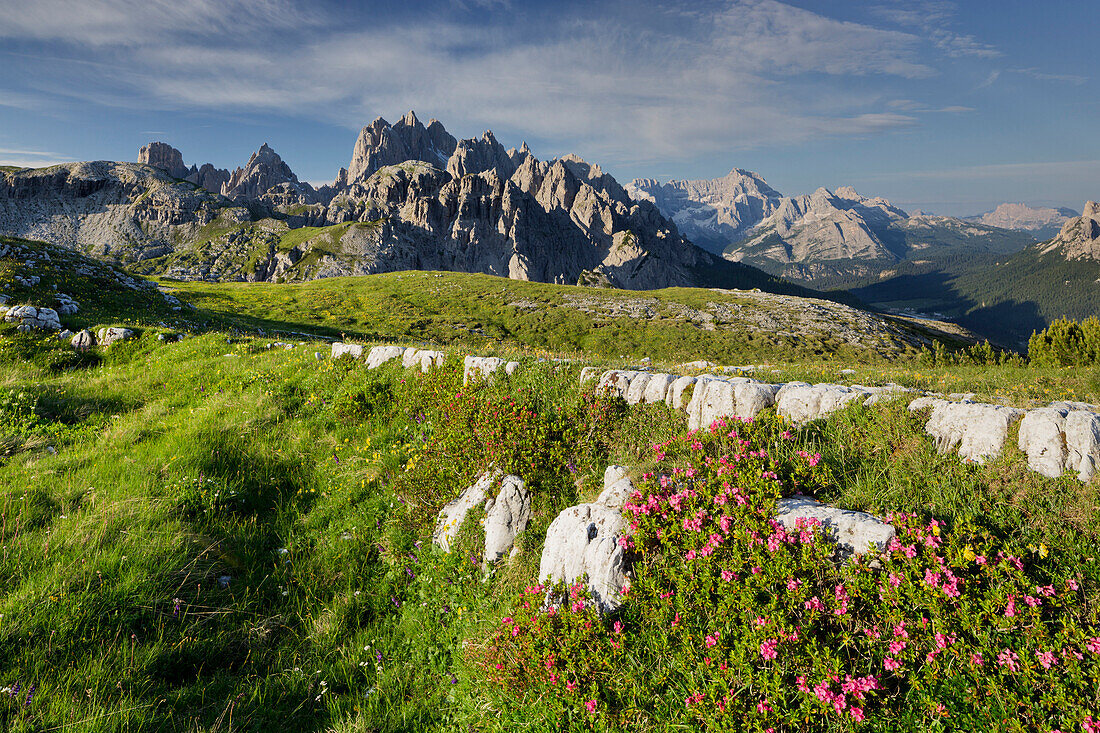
1079	237
168	159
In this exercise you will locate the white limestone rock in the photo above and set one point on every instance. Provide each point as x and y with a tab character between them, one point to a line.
977	430
28	317
615	382
341	349
379	355
636	391
584	540
674	397
617	487
108	336
505	517
430	359
1083	443
587	374
480	367
855	533
1042	437
410	357
83	340
454	512
657	388
801	402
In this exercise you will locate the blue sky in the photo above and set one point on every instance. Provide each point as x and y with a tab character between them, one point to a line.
948	106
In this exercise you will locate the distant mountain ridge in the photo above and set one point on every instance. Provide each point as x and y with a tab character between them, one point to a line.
1041	221
411	197
823	239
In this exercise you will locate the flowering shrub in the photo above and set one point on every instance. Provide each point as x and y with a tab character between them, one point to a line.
733	621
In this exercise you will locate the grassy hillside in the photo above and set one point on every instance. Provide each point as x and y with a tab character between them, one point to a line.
675	324
222	533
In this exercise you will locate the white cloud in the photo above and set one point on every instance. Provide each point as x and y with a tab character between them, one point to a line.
30	158
1035	73
637	85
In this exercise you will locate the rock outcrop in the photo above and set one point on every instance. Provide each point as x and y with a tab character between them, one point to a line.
170	160
29	318
506	514
978	431
108	336
380	145
1080	236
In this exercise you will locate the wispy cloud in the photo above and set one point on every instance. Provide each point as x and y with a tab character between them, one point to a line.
1035	73
30	158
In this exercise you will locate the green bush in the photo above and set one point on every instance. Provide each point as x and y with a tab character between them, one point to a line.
1066	343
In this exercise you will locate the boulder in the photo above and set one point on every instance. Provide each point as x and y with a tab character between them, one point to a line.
587	374
379	355
341	349
454	512
674	397
83	340
1083	443
617	487
1042	438
636	390
614	383
480	367
505	517
28	317
511	367
716	399
801	402
430	359
410	357
584	541
657	388
854	533
108	336
977	430
752	397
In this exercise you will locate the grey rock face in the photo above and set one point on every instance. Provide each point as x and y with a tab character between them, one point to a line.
1083	443
380	145
584	541
1079	237
1041	221
266	171
505	517
803	402
163	156
855	533
617	487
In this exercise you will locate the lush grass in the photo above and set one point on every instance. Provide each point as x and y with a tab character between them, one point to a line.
481	310
217	535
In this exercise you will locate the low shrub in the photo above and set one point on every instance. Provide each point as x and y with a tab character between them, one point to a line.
733	622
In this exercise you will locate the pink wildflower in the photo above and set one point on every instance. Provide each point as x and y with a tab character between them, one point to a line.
1047	659
890	664
1093	645
727	575
591	705
767	648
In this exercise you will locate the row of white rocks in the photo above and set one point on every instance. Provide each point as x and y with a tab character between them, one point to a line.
584	540
474	367
1062	437
713	397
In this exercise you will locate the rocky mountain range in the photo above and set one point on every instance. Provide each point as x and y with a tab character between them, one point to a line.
412	197
1042	222
825	239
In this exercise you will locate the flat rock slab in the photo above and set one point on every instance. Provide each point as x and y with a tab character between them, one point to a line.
379	355
108	336
854	533
976	430
480	367
341	349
